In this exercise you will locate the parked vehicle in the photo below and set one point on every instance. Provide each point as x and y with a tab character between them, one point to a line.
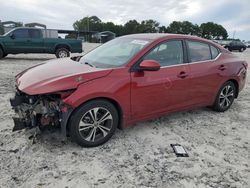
129	79
247	44
236	45
31	40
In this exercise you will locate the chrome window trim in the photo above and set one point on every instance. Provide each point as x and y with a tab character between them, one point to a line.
195	62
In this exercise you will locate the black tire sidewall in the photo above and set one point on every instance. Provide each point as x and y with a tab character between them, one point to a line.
62	49
217	106
77	115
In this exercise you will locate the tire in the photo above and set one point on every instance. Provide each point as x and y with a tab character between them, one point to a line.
88	117
225	97
62	53
1	53
241	50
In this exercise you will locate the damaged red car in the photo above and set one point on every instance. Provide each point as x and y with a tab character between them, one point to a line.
129	79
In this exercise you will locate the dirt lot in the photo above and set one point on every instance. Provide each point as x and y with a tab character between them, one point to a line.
140	156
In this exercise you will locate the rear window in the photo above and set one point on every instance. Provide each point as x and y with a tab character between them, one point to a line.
198	51
214	52
34	33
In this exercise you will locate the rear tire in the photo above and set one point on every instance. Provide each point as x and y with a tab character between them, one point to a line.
94	123
225	97
62	53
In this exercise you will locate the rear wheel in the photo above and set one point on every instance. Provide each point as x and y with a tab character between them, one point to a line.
241	50
225	97
94	123
62	53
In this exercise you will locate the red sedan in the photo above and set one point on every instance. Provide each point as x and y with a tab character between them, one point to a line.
129	79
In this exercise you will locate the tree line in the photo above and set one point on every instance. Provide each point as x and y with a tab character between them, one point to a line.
207	30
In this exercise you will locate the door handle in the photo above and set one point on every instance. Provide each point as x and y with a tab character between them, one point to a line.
182	75
222	67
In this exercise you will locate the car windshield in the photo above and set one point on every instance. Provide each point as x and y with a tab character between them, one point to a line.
6	34
114	53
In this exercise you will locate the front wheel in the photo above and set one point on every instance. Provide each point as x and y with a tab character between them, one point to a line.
225	97
241	50
94	123
62	53
1	53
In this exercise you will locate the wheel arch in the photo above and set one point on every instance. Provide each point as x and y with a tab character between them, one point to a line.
235	82
62	45
112	101
1	46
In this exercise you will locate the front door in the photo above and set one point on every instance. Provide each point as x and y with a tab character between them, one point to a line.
21	41
164	90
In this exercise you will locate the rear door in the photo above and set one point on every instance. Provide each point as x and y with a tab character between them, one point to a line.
204	70
153	92
37	41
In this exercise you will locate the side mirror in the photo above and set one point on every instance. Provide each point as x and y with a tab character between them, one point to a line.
12	36
149	65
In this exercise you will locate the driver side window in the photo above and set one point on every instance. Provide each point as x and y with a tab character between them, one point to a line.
167	53
21	33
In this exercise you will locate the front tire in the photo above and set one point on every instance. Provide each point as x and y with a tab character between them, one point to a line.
1	53
62	53
241	50
94	123
225	97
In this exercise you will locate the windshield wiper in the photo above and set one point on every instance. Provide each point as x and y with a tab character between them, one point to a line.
87	63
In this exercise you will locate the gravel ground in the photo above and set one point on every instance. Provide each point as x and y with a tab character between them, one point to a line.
139	156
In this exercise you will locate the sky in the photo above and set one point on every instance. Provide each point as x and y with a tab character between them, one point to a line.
234	15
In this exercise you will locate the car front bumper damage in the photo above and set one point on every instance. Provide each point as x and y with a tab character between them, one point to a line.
39	110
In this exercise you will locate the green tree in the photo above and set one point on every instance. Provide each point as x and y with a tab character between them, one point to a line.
1	29
132	26
184	27
212	30
163	29
92	23
149	26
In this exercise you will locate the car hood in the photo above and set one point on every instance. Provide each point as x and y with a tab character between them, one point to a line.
57	75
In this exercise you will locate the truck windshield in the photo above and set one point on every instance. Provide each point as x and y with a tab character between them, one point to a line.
6	34
115	53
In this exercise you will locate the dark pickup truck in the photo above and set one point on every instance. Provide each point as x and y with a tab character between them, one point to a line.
31	40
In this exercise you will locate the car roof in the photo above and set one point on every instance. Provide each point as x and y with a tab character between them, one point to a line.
26	28
162	36
155	36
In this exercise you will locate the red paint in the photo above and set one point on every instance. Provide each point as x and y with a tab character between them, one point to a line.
140	95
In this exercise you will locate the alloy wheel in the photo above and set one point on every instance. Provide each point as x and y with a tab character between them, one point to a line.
226	96
62	54
95	124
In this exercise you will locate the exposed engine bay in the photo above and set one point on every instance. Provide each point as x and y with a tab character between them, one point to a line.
37	110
